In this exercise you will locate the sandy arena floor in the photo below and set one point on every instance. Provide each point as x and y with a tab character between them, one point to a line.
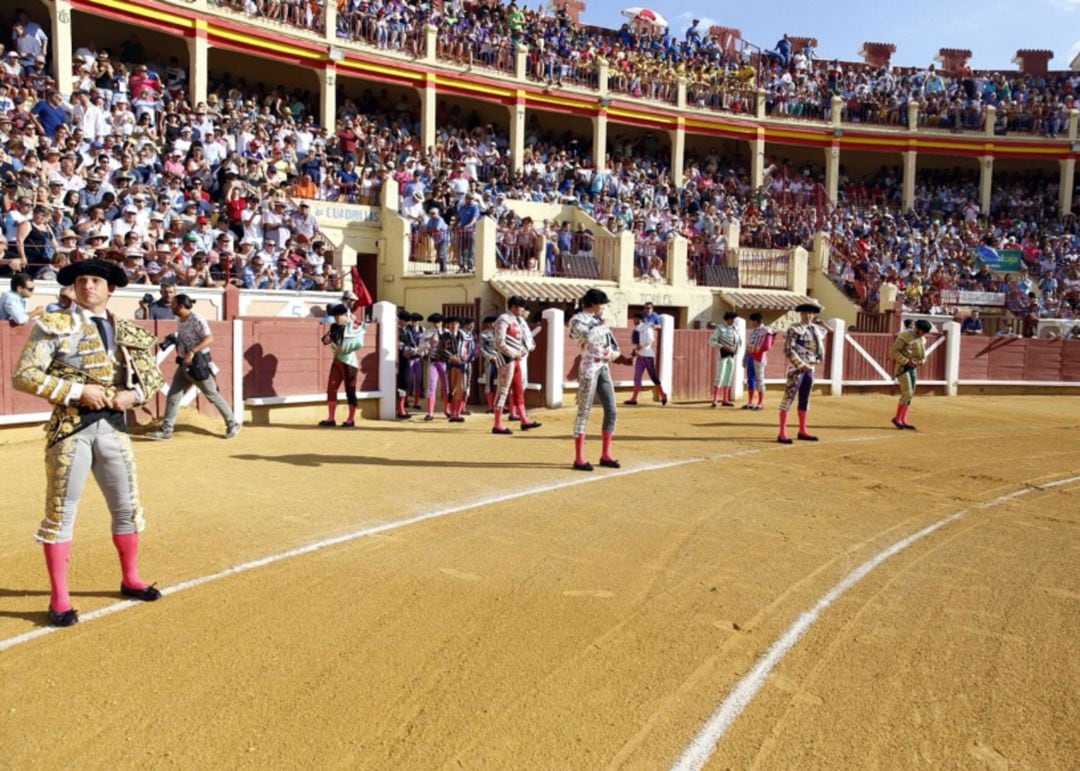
589	621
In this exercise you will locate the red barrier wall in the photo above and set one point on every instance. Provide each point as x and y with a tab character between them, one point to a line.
878	345
284	357
1019	359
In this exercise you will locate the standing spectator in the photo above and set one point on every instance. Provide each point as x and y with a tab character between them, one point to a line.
162	308
13	304
194	367
436	228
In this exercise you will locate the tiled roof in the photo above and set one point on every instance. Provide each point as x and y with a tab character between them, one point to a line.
542	289
755	299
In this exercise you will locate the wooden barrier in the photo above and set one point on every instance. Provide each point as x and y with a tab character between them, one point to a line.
284	362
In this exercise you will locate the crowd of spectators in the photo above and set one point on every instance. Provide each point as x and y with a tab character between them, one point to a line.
940	247
214	193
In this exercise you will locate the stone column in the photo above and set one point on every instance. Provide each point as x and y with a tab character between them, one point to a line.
327	97
517	132
680	93
428	129
330	19
913	115
521	61
431	42
986	182
991	117
385	315
599	122
1065	187
60	45
678	151
757	160
1068	169
836	106
832	171
554	323
909	160
198	63
602	71
759	107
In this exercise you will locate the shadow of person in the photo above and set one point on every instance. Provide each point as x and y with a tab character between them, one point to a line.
259	379
315	460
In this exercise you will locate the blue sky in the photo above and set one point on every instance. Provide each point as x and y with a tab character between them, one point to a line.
993	30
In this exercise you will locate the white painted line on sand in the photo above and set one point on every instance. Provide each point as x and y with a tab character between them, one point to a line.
33	634
698	752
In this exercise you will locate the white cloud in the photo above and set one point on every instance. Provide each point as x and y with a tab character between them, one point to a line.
1067	5
686	18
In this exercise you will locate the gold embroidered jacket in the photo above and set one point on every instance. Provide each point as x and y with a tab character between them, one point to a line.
65	352
907	346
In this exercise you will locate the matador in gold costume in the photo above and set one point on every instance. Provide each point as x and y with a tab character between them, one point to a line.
93	367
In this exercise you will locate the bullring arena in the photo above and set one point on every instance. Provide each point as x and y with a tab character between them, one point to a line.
410	596
418	591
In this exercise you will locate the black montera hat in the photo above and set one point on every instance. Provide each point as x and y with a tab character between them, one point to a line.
109	271
337	309
808	308
730	315
516	302
924	325
594	297
435	317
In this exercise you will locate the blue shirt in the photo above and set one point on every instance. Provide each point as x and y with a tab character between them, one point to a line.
13	308
51	118
468	214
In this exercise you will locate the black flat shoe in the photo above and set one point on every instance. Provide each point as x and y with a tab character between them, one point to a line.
63	617
631	402
583	467
784	440
896	422
146	594
403	416
348	424
327	423
501	431
610	463
429	417
663	401
527	426
909	427
727	404
807	437
512	417
748	406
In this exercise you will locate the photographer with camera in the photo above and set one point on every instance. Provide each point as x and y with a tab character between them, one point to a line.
194	367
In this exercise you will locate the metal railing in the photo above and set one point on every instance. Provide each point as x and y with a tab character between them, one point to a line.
763	269
449	251
309	15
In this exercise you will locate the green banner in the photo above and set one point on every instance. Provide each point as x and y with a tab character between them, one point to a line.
1000	260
